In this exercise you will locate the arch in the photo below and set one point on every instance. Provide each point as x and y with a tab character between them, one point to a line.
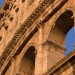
62	25
57	15
27	65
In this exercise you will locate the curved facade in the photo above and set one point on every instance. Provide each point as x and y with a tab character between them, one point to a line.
32	36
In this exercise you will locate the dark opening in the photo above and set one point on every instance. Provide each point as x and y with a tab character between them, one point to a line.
62	25
1	15
0	38
17	9
28	62
23	1
65	22
6	6
11	18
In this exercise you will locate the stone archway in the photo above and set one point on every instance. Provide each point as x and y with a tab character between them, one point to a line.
27	65
56	39
62	25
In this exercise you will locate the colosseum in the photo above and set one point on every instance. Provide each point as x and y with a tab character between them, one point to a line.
32	37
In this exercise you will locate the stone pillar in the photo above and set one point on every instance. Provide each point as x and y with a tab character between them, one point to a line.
39	55
52	53
46	48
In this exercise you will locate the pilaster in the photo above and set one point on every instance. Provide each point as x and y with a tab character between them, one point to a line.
52	53
39	55
46	48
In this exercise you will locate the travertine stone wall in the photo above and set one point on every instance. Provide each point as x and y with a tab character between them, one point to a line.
48	40
14	16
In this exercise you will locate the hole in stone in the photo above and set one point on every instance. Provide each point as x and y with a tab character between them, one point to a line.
1	15
14	6
23	1
0	38
11	18
6	27
17	10
6	6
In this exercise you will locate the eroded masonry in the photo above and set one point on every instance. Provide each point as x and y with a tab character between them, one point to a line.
32	37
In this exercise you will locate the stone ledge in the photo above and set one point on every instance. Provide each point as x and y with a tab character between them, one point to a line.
60	63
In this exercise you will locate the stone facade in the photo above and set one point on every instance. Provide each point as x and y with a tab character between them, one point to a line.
65	66
32	37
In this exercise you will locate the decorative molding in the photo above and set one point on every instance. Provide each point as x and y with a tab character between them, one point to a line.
27	24
57	46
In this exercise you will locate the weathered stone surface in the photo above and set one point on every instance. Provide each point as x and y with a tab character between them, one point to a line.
32	36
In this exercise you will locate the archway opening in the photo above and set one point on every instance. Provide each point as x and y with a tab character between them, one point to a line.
62	25
70	41
28	62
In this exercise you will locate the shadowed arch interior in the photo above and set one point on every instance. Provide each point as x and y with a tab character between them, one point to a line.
65	22
28	62
62	25
57	37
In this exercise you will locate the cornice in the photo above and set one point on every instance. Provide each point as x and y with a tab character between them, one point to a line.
55	45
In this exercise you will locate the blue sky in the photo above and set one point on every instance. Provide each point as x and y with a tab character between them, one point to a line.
1	1
69	38
70	41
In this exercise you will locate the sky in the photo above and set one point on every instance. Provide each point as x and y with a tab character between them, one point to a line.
70	41
1	1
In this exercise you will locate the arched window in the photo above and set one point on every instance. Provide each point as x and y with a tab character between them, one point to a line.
28	62
62	25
